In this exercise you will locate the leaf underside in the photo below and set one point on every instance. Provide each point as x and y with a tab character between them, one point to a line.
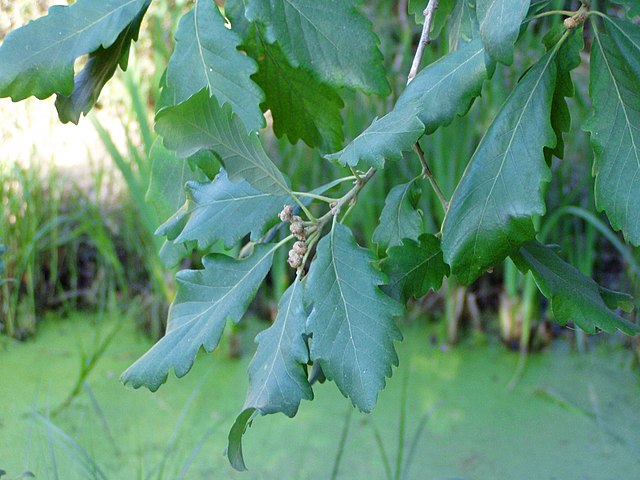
352	320
574	297
37	59
200	124
222	210
204	301
615	125
99	69
206	56
502	189
330	38
277	378
439	93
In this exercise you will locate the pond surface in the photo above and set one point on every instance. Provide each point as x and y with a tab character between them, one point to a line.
569	417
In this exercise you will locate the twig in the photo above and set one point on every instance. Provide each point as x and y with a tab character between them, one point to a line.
425	38
346	198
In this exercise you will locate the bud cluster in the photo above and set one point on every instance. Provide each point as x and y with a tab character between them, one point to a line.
297	253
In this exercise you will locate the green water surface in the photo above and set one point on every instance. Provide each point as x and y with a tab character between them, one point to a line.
569	417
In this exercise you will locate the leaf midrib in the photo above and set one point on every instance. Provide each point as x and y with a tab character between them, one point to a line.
506	151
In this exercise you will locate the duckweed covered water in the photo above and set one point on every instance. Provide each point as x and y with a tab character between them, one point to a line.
570	417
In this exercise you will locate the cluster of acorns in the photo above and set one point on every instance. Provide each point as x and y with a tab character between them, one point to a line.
297	253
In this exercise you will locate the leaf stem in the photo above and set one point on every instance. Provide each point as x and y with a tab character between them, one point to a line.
566	13
303	207
417	59
346	198
426	172
322	198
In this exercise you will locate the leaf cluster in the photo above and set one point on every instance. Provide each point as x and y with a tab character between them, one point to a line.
253	64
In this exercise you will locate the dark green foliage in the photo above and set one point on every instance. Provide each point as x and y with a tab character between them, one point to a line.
277	379
206	57
352	321
206	216
492	209
614	126
204	302
296	61
400	219
441	91
37	59
573	296
415	267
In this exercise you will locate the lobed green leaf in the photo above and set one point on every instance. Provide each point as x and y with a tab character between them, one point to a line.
99	69
302	106
499	26
502	189
277	377
441	91
414	268
37	59
332	39
351	322
222	210
567	59
615	124
201	124
166	193
399	218
574	297
206	56
205	300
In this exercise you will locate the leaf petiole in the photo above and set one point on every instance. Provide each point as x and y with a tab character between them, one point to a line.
322	198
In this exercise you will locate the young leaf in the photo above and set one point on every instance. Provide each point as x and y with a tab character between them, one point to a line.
414	268
302	107
399	218
37	59
205	300
463	26
573	296
352	319
277	379
615	124
207	57
436	95
99	69
499	26
222	210
491	212
201	124
567	59
331	38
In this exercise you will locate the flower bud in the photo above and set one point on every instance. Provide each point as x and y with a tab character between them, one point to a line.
286	213
300	248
